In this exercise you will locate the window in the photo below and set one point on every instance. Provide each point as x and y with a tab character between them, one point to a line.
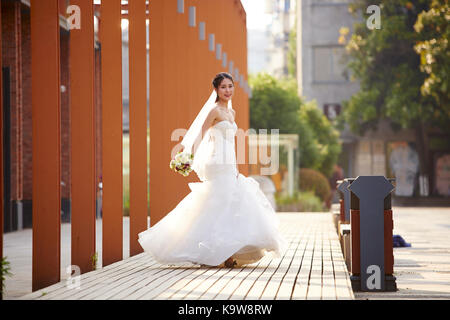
328	65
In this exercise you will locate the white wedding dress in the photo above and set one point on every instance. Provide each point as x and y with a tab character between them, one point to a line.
225	215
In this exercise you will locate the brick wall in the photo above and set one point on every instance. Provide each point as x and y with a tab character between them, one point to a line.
98	116
26	98
11	46
16	55
65	116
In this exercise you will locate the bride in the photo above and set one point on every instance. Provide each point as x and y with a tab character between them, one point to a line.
225	220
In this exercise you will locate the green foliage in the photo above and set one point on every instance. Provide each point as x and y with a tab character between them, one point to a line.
433	28
292	53
324	140
126	202
94	261
4	272
299	202
389	70
314	181
275	105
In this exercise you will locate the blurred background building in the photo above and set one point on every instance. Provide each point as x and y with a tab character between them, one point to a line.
322	76
282	23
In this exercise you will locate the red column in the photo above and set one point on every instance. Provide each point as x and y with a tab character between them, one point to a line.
138	122
83	138
111	40
157	100
46	142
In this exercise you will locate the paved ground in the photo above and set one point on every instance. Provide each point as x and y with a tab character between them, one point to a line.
311	267
422	271
18	250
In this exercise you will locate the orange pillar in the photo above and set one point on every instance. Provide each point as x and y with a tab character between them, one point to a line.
245	103
138	122
111	40
83	138
46	142
158	137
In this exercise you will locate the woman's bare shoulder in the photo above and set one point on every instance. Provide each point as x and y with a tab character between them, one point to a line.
214	111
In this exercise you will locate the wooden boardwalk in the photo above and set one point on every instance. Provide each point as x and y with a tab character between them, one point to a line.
312	267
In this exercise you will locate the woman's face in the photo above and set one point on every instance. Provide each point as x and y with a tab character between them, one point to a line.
226	89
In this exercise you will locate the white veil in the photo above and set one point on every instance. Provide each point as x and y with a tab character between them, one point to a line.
193	137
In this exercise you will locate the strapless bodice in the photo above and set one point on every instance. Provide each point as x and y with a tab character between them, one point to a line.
220	151
224	129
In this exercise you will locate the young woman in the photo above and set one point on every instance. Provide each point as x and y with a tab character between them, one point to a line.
226	220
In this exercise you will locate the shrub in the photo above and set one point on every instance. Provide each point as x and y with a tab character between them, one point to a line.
299	202
4	272
314	181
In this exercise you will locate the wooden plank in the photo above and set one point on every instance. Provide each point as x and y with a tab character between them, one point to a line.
302	279
180	284
312	243
138	122
257	288
190	288
287	284
232	286
231	290
102	290
83	177
138	280
207	283
45	87
220	284
85	278
90	286
328	284
163	287
315	278
342	279
278	276
111	39
154	285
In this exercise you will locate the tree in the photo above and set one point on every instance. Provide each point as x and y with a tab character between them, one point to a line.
275	105
292	52
433	27
388	69
324	137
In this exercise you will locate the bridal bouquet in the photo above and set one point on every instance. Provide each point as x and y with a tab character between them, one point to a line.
182	163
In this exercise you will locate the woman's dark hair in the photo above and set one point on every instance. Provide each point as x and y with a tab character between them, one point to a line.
219	78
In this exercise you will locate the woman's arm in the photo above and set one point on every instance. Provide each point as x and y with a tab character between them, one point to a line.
208	123
213	114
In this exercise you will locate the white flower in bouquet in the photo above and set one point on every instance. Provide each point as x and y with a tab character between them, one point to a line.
182	163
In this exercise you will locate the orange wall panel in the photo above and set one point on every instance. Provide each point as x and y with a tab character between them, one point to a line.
83	139
138	122
46	142
111	40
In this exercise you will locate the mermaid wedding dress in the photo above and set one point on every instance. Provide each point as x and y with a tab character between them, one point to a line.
226	215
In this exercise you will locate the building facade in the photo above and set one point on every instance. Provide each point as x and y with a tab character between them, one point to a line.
322	76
